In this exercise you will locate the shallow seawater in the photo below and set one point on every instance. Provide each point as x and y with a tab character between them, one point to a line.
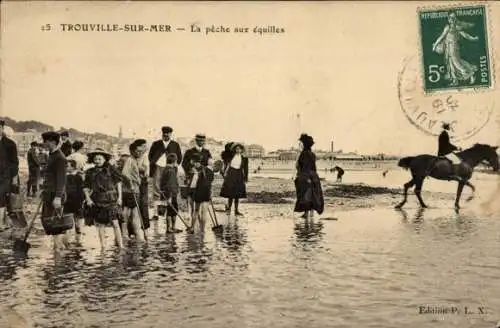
369	268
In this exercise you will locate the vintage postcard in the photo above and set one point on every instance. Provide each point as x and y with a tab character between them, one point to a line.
249	164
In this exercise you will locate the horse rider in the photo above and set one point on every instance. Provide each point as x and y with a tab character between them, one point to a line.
445	148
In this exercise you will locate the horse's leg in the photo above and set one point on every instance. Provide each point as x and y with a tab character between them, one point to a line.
461	185
407	186
418	189
468	184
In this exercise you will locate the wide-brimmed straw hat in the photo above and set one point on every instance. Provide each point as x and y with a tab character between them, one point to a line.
237	144
99	151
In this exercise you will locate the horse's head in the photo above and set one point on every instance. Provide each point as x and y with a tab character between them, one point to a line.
489	154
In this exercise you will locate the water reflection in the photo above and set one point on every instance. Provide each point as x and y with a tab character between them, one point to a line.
308	232
446	224
234	238
416	221
198	256
10	265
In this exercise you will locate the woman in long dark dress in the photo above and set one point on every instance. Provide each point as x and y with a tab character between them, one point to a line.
235	178
307	183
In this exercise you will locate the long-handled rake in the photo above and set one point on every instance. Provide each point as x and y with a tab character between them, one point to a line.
140	216
20	245
216	225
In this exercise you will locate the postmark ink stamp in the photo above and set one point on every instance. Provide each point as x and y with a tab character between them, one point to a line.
453	81
454	48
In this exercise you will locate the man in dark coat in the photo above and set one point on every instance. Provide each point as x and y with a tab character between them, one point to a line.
9	169
54	182
192	154
199	148
445	147
66	146
158	161
33	170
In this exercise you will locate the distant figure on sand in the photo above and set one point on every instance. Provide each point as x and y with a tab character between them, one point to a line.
307	183
385	173
340	173
33	170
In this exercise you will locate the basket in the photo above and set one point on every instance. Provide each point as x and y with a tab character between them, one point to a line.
58	224
16	202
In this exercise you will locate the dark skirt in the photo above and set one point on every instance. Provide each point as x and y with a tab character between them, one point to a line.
34	175
200	195
73	207
309	193
5	189
173	208
234	186
130	200
104	213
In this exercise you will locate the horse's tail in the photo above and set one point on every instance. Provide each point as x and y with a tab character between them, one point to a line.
405	162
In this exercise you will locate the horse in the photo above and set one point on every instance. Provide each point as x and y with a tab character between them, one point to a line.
441	168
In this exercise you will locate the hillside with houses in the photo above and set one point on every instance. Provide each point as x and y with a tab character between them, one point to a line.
27	131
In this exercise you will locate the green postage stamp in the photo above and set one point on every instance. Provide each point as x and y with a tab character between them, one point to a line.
454	45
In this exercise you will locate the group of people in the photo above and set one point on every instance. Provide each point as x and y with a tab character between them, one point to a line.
96	190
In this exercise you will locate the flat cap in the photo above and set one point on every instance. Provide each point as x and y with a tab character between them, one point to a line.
167	129
51	136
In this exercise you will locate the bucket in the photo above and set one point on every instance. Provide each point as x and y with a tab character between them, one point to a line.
58	224
162	209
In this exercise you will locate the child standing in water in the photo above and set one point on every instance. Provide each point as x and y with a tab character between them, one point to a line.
131	170
103	194
235	178
200	190
74	195
169	189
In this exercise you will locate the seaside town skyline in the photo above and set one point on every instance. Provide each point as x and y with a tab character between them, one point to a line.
27	131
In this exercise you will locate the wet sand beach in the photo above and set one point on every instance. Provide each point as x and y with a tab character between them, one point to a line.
373	267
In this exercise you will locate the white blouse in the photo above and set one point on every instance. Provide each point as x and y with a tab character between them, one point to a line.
236	161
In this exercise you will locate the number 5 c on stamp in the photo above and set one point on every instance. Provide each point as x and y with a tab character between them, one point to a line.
454	43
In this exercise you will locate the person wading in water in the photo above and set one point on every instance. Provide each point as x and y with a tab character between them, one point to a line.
158	161
9	169
235	178
34	170
204	155
307	183
103	194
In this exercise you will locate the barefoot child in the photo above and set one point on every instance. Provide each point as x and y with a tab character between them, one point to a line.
131	194
169	190
200	190
103	194
74	194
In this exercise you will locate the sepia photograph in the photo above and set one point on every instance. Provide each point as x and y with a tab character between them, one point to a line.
249	164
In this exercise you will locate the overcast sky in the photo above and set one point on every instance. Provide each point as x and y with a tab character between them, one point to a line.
336	65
